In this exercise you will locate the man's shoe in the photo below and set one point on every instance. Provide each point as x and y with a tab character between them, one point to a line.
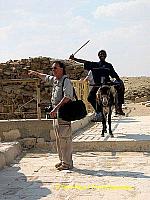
65	166
102	135
58	164
111	135
97	117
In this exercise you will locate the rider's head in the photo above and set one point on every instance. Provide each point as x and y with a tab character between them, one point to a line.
102	55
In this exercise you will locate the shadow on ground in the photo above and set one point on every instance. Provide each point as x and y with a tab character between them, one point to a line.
15	185
137	137
100	173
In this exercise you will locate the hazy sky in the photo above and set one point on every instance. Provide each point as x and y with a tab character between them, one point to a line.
57	28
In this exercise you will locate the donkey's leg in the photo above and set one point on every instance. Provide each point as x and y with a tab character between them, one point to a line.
109	122
105	128
104	125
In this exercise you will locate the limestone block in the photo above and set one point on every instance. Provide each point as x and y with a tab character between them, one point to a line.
52	135
2	160
11	135
40	140
12	152
147	104
144	98
137	99
43	145
143	103
8	152
141	99
28	143
1	136
78	124
47	145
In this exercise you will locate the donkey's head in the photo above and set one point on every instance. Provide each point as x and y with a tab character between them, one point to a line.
103	95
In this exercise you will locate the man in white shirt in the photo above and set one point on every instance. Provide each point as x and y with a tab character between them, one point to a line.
60	96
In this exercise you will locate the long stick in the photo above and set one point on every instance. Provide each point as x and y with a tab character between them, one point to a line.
81	47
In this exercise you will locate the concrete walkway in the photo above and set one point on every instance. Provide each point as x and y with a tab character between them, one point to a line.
105	175
130	134
124	128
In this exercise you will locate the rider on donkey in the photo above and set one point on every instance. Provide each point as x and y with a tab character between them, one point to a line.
97	68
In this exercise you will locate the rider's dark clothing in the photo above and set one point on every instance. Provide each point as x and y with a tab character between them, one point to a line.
102	71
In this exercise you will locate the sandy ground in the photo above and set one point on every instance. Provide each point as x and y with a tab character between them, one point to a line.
136	87
136	109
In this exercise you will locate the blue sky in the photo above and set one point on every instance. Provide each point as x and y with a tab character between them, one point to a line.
57	28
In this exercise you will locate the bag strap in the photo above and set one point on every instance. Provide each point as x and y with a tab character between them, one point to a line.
74	92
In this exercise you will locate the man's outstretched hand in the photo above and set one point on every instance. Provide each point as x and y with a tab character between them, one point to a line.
31	72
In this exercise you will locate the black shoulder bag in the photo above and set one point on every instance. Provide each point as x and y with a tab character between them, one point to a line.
72	110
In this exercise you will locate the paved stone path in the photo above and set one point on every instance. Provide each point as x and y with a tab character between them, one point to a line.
106	176
124	129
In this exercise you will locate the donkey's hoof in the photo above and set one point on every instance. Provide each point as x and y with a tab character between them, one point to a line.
102	135
111	135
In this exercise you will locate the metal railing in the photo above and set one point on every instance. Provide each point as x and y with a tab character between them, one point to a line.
82	90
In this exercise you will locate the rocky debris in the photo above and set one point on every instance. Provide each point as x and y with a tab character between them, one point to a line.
147	104
141	99
11	135
28	143
18	68
137	89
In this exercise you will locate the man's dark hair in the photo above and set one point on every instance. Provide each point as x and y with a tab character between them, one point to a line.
61	64
102	51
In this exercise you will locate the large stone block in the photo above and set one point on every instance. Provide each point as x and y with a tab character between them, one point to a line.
28	143
2	160
141	99
40	140
12	152
8	152
52	135
11	135
27	129
43	145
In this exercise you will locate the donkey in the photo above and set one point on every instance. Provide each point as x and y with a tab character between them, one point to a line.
106	99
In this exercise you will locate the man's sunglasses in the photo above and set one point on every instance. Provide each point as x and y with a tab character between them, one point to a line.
53	68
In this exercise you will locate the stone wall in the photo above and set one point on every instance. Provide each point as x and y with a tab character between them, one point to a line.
35	133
